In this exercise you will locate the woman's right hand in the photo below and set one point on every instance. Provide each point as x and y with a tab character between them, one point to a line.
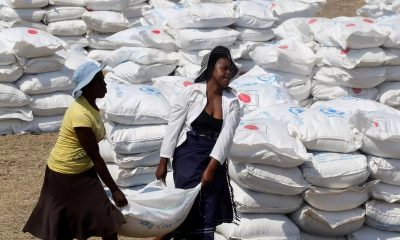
161	172
119	198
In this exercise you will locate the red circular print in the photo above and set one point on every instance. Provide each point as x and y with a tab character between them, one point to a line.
367	20
351	25
357	90
156	31
376	124
312	21
186	83
251	127
244	98
272	6
32	31
345	51
284	47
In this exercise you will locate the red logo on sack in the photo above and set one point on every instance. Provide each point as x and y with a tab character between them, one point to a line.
376	124
32	31
156	31
351	25
367	20
283	47
244	98
186	83
312	21
251	127
345	51
272	6
357	90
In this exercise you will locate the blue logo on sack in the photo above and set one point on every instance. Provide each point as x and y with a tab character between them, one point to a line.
270	79
296	110
330	112
150	90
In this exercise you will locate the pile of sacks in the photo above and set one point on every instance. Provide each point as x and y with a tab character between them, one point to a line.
35	83
379	8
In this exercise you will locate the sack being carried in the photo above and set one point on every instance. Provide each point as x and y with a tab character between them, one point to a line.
156	209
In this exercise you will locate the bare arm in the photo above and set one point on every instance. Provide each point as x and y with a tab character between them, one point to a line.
88	141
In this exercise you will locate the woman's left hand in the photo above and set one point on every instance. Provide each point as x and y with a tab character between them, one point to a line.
209	173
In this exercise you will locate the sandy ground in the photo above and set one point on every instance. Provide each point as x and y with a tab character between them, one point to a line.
23	159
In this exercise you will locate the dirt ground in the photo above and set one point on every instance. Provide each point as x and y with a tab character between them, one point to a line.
23	159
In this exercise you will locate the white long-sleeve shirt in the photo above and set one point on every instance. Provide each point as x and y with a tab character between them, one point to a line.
187	107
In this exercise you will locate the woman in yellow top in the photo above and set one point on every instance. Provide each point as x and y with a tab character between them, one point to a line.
73	203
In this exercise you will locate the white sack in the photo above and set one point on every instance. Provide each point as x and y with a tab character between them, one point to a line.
336	170
11	96
135	139
21	113
188	70
383	216
156	210
202	15
366	77
324	91
151	36
136	10
148	159
391	24
80	3
307	236
286	55
368	233
386	170
349	32
75	40
62	13
67	28
254	14
46	82
141	55
287	9
268	179
105	21
248	201
30	43
326	129
112	5
352	58
10	73
254	34
171	86
50	104
31	15
260	227
106	151
42	65
381	132
132	73
197	39
13	126
296	28
132	177
99	55
386	192
45	124
259	139
328	224
99	41
27	3
335	200
134	105
6	56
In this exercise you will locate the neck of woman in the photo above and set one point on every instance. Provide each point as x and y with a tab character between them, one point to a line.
214	88
91	100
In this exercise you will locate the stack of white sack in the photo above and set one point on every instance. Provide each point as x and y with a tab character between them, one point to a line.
63	19
379	8
196	29
40	73
103	19
138	65
291	59
135	119
23	13
172	86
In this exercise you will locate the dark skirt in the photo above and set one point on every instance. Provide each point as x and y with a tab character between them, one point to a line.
213	205
73	206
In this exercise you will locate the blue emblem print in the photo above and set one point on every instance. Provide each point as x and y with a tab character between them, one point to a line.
270	79
330	112
147	224
150	90
296	110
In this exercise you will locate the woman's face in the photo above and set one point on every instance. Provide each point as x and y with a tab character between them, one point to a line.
222	72
99	85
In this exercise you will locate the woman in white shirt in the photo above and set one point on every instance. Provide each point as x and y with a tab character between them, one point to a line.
200	132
